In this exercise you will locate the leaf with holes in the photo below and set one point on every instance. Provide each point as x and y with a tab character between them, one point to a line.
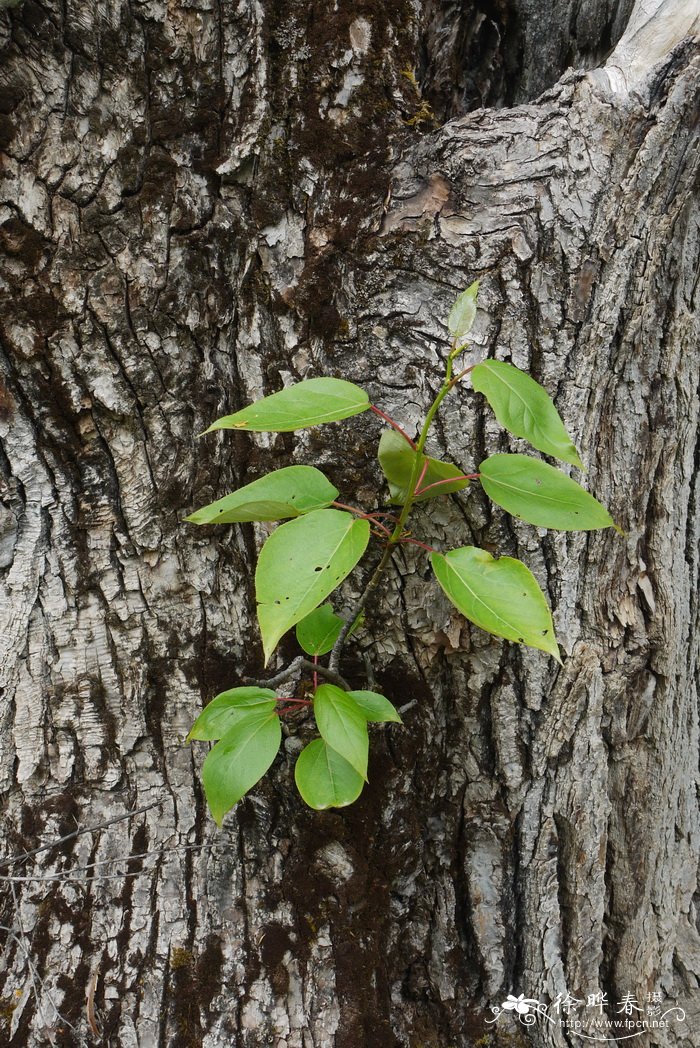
325	779
308	403
463	313
300	564
227	709
240	760
541	494
375	707
397	459
287	492
524	408
500	596
342	725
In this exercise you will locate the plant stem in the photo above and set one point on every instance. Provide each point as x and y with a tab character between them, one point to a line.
364	516
300	663
422	476
448	480
350	509
417	542
455	380
397	533
393	424
334	660
417	465
76	833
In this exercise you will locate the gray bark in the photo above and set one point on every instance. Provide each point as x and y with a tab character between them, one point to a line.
204	203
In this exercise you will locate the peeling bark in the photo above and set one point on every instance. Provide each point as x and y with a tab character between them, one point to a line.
202	204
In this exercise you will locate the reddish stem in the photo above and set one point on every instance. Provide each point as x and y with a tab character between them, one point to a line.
315	674
421	478
384	531
448	480
351	509
423	545
364	516
455	380
394	425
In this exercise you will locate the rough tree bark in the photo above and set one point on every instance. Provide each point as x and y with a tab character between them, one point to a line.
204	201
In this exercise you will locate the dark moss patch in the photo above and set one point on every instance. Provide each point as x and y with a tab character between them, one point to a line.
209	966
196	980
68	809
276	942
159	178
156	696
22	241
7	131
32	823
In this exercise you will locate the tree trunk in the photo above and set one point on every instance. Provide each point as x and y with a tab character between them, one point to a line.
205	202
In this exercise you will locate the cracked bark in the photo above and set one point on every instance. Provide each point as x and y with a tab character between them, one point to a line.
201	204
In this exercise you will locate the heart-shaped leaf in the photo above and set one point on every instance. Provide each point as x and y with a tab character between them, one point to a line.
240	760
501	596
325	779
397	459
343	725
308	403
525	408
229	707
300	564
287	492
541	494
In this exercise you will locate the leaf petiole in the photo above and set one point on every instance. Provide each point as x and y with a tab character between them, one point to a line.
421	478
417	542
393	424
449	480
350	509
372	517
465	371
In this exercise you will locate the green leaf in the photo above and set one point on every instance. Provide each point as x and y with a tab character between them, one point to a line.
375	707
525	408
463	313
240	760
540	494
307	403
300	564
287	492
319	631
325	779
500	596
397	457
343	725
229	707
